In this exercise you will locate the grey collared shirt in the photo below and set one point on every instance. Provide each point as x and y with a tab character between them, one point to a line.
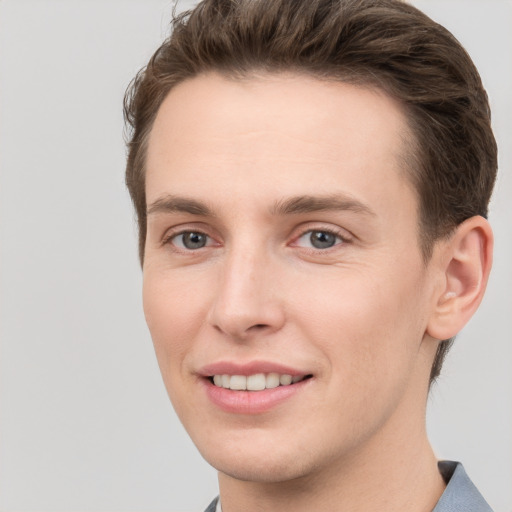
460	494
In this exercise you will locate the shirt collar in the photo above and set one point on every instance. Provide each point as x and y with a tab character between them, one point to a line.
460	494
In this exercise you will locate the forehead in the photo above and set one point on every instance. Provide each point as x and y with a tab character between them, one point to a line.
287	133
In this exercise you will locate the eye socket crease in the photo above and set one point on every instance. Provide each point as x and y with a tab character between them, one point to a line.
291	206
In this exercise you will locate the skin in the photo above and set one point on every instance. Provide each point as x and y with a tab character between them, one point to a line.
362	317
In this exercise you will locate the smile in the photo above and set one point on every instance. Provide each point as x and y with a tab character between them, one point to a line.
255	382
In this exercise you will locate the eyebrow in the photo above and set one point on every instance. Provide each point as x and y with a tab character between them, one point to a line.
176	204
295	205
309	204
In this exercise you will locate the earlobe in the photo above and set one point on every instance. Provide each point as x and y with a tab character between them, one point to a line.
467	260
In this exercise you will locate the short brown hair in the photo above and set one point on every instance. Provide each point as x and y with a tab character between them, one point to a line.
387	44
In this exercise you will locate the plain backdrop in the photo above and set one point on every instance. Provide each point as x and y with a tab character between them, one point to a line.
85	423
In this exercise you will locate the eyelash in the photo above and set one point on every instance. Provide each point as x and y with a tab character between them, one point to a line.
341	237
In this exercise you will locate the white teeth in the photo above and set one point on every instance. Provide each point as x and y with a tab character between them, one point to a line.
238	382
285	380
256	382
272	380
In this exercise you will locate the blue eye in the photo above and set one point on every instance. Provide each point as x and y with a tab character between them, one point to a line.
319	239
190	240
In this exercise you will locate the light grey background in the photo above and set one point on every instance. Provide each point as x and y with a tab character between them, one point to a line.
85	424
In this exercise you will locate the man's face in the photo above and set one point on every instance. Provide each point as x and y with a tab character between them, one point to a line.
283	239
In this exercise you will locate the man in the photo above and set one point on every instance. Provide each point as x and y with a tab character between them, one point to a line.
311	180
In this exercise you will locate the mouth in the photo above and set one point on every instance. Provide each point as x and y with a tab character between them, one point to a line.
252	388
256	382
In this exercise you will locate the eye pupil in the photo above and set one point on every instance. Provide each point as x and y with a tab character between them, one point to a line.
322	239
194	240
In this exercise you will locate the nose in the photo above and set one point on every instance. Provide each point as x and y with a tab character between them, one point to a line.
248	299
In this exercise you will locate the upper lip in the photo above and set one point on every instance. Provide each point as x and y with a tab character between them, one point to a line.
248	368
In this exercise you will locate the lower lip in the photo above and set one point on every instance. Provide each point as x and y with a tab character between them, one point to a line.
251	402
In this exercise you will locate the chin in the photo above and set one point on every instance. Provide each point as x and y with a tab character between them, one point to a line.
260	458
263	468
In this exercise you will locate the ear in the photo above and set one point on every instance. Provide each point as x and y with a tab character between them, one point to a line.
465	263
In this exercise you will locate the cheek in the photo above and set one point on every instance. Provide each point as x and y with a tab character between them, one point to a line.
173	316
368	335
368	323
